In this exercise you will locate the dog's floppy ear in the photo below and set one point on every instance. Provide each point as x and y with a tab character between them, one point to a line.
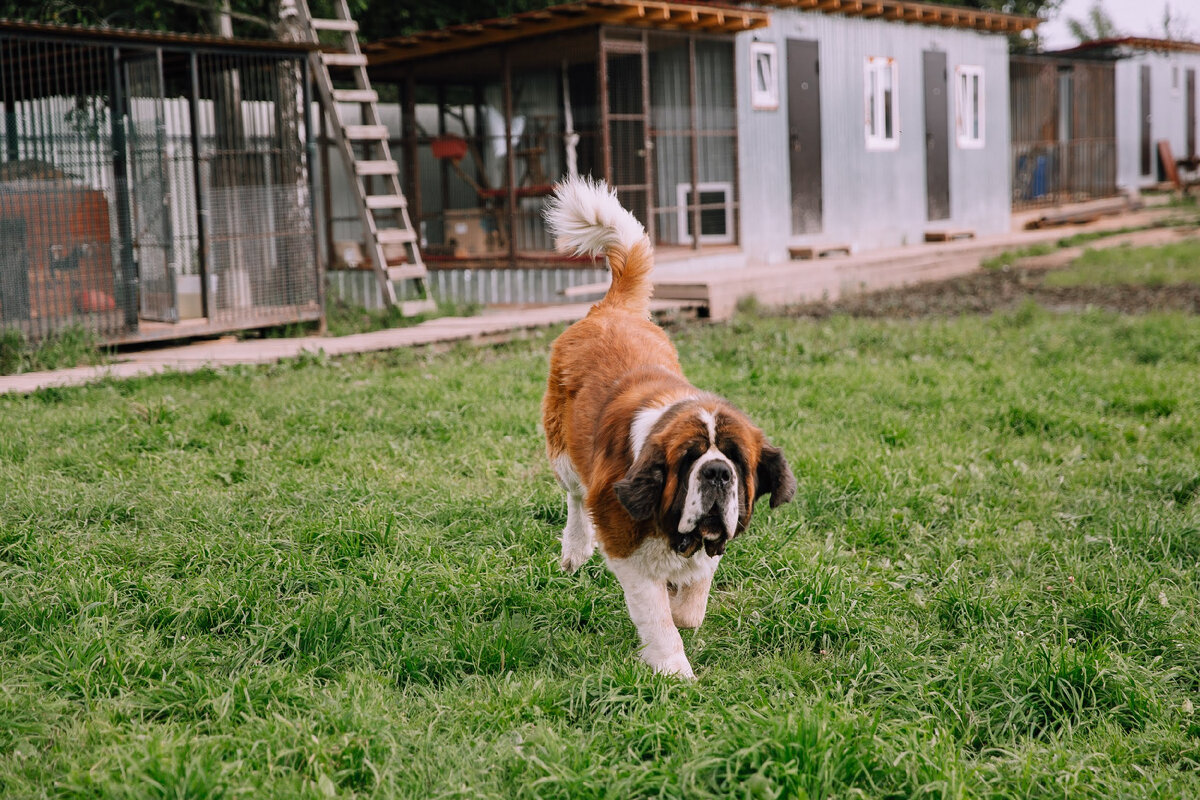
640	491
774	476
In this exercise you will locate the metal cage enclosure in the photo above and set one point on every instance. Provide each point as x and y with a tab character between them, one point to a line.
152	186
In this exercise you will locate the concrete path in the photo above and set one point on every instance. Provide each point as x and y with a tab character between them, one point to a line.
795	282
226	351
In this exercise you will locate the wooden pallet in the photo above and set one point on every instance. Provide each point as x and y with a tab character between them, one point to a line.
949	235
812	252
388	232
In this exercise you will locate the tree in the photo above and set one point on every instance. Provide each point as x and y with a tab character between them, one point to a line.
1176	25
1097	25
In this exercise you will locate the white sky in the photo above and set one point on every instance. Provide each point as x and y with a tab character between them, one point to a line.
1132	18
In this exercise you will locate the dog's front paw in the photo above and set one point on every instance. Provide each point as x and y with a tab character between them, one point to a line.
676	665
572	559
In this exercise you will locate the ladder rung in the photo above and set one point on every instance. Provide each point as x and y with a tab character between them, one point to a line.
355	96
376	168
385	201
348	25
395	236
344	59
360	132
406	272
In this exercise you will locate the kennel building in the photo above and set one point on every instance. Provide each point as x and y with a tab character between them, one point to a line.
153	185
491	115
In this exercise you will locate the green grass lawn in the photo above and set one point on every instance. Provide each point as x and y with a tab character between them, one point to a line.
340	578
1167	265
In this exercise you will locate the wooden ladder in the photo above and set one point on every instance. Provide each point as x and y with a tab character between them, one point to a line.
381	203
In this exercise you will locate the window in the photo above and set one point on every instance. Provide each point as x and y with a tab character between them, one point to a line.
716	212
1174	81
968	115
882	105
764	92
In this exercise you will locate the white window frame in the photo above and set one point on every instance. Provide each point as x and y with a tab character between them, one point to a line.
874	105
764	96
683	212
963	107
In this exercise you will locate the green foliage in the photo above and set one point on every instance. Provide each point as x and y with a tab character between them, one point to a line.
1010	257
377	19
70	347
338	577
1097	25
1168	265
343	319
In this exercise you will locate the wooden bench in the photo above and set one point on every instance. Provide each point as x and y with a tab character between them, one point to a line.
810	252
948	235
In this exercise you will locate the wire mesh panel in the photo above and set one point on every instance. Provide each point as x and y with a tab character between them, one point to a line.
60	248
1063	130
255	188
104	203
149	191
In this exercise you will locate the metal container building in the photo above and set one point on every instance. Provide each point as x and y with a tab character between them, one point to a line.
869	124
1156	100
734	134
152	186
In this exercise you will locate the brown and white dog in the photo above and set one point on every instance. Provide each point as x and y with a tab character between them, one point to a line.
658	473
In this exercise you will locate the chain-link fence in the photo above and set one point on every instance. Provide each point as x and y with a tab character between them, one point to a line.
152	186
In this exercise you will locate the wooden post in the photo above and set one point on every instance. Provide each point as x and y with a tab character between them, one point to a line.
202	244
412	152
602	84
695	141
510	162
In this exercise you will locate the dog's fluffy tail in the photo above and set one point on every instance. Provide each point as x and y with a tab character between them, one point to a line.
587	219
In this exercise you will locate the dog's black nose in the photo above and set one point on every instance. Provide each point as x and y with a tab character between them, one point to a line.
716	472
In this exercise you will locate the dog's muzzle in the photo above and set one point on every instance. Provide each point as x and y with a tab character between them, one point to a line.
711	520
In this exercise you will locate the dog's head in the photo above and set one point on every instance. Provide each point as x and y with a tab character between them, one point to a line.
698	475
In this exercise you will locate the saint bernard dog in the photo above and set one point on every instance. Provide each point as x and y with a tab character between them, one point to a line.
658	473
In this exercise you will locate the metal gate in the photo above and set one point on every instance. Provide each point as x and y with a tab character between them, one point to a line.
150	192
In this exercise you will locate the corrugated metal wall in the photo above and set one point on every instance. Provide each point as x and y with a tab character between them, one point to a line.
871	198
485	287
1167	112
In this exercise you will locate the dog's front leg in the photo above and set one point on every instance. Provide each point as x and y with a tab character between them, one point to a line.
690	602
650	608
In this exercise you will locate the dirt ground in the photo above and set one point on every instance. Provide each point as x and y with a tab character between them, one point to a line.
987	291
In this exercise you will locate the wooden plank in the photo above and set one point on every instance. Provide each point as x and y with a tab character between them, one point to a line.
395	236
360	132
377	202
388	167
407	272
811	252
336	60
355	96
1170	168
344	25
949	235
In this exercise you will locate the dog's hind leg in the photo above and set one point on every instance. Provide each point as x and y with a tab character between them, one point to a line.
579	537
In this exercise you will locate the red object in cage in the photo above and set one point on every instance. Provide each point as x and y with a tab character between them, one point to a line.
451	147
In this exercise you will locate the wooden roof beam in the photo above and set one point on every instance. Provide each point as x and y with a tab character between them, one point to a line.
829	5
